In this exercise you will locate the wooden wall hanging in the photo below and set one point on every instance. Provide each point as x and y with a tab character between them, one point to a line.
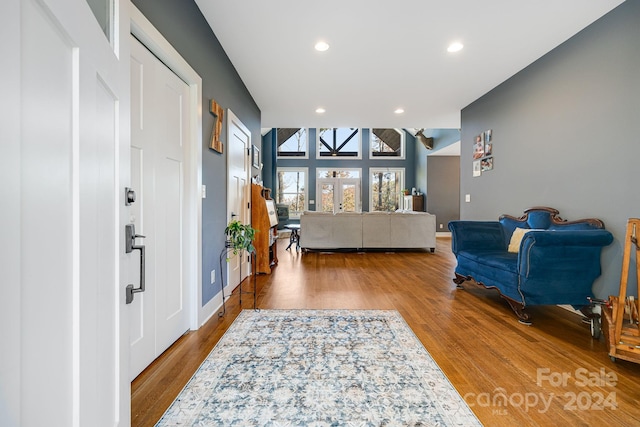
218	112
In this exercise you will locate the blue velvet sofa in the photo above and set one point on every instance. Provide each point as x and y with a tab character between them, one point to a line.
555	262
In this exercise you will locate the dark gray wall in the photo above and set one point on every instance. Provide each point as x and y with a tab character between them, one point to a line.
182	24
443	189
566	134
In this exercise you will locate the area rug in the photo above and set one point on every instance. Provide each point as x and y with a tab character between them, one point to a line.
319	368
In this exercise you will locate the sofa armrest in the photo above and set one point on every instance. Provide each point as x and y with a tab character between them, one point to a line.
467	235
571	252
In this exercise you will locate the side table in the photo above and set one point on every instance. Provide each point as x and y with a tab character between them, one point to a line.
295	235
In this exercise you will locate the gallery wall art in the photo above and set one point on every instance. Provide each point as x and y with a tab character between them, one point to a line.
483	153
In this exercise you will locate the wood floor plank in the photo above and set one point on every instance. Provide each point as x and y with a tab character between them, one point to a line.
472	334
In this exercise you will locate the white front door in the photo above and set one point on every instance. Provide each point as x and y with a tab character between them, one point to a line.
159	145
238	189
339	194
74	127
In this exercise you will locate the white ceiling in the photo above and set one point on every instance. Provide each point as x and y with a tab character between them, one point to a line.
386	54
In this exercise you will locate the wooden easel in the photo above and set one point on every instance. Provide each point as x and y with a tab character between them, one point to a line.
624	333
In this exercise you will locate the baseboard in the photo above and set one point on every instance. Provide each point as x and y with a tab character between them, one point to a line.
213	307
443	234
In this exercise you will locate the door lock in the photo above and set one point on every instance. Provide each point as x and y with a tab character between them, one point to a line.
129	196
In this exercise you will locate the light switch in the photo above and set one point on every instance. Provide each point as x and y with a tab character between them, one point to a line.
204	191
467	198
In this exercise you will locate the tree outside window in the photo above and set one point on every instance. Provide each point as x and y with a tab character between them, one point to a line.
292	142
292	189
338	173
387	143
386	186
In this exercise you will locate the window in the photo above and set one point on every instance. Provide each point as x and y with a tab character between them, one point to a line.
338	173
292	142
103	10
386	143
339	143
291	190
386	185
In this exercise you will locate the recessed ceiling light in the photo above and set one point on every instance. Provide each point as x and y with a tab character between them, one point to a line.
320	110
399	110
455	47
321	46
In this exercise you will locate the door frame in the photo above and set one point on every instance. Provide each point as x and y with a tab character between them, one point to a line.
233	120
143	30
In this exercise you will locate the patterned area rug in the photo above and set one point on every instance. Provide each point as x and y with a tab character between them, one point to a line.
319	368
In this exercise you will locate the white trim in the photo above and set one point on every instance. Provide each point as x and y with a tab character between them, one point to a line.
245	216
76	318
144	31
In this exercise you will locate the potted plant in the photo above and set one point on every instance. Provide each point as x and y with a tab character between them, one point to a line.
239	237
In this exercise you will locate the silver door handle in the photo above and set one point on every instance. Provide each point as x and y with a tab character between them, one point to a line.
130	246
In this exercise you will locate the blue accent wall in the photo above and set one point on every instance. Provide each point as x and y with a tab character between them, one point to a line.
183	25
566	134
269	142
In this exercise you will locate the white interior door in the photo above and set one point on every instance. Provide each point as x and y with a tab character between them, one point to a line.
238	189
159	143
74	121
339	195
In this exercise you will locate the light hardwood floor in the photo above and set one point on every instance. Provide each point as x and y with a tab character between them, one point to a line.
550	373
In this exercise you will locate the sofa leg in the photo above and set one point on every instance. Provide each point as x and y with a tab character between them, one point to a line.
518	308
459	280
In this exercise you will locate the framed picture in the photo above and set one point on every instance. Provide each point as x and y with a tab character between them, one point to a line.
255	157
477	168
478	146
487	164
215	142
272	211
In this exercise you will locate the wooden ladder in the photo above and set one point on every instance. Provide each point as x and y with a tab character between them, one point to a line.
625	343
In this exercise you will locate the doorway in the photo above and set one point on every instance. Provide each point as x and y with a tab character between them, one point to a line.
238	191
191	164
159	146
339	195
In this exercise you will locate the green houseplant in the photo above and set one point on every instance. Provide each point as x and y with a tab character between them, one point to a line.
239	237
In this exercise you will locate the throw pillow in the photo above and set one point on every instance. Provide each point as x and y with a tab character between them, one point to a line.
516	238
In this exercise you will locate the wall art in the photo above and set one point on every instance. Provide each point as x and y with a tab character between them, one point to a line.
215	142
483	152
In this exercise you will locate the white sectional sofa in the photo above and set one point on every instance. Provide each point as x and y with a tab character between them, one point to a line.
368	230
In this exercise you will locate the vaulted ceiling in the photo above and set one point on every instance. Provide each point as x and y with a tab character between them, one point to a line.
386	55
